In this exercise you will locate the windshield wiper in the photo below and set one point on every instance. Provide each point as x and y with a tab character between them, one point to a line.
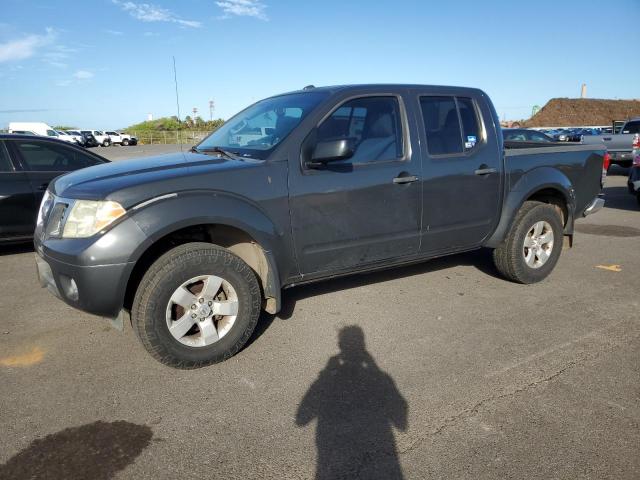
226	153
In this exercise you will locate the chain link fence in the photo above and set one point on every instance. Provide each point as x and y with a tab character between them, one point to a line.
185	137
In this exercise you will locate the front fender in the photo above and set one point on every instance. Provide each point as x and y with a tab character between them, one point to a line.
523	188
171	213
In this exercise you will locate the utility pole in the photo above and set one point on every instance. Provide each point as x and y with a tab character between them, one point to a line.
211	108
195	112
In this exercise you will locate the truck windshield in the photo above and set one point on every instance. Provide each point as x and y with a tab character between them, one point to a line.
257	130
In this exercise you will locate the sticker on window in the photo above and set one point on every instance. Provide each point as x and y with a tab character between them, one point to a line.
471	142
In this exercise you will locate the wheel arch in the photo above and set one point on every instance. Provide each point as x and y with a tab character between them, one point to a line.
243	229
547	185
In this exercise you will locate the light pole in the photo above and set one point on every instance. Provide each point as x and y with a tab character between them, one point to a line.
211	108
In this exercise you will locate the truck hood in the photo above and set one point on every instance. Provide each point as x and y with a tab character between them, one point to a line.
131	181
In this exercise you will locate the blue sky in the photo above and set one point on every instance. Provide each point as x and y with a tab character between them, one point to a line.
107	63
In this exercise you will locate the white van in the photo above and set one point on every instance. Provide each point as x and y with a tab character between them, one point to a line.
39	128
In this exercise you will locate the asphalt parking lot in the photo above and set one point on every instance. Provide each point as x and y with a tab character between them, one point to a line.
448	370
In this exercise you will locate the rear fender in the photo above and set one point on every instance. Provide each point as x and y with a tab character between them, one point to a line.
543	178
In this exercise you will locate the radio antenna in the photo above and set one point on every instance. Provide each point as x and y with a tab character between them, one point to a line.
175	80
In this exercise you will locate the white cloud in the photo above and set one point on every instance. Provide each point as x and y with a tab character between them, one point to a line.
25	47
147	12
243	8
83	75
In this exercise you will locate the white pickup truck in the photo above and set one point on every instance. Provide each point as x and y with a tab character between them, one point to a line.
119	138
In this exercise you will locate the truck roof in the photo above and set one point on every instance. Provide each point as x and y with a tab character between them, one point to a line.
378	86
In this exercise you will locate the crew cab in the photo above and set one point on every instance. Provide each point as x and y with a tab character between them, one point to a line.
189	247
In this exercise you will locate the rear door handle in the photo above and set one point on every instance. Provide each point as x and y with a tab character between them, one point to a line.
405	179
485	171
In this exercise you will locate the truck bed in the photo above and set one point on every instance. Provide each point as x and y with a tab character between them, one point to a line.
581	164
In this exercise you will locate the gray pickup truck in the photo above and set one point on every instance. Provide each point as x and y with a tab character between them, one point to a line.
618	144
190	247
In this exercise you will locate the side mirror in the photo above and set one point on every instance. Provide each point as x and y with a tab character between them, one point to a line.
331	151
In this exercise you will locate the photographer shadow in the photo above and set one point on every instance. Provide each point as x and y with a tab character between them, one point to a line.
356	406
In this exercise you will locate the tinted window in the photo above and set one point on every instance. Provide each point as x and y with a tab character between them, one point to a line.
442	125
371	123
5	163
45	156
632	127
539	137
470	124
51	133
514	136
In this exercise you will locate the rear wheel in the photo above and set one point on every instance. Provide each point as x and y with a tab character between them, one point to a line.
106	143
198	304
125	142
532	247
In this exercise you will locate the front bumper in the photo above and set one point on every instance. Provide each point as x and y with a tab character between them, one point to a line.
595	206
98	290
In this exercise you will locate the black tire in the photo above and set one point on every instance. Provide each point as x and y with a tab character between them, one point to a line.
168	273
106	143
638	198
125	142
509	258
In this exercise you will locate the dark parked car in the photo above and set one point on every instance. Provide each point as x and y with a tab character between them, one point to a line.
525	135
27	165
343	180
88	139
578	134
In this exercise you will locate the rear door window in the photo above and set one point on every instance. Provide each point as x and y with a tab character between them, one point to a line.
632	127
470	124
5	162
442	125
49	157
451	124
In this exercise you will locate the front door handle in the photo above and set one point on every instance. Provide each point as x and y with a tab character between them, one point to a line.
484	170
400	179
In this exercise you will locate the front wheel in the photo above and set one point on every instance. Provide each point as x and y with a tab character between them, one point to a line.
198	304
532	247
125	142
106	143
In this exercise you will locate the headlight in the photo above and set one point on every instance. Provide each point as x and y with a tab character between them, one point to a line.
88	217
45	205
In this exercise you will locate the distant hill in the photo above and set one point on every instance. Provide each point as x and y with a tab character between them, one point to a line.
583	111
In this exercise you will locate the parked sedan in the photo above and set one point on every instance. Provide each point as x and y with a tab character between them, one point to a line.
525	135
27	165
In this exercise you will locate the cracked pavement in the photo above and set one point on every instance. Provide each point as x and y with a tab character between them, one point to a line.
461	375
